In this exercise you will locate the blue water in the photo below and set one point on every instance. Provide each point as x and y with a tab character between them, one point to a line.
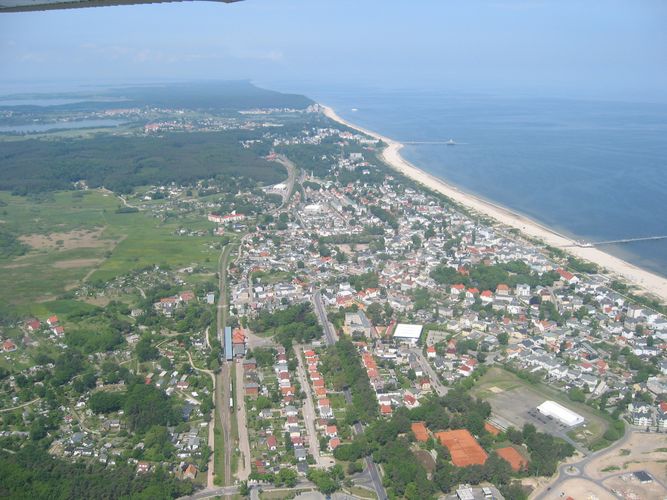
45	127
593	170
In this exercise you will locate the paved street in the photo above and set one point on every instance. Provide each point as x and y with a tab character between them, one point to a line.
309	415
244	442
578	469
440	389
331	339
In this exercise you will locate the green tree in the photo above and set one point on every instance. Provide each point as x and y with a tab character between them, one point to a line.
145	350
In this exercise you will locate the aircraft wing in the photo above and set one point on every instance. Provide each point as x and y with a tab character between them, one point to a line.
33	5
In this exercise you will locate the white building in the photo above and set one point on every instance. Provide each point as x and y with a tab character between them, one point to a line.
559	412
408	333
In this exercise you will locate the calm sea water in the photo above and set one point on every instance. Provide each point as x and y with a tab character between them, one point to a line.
45	127
593	170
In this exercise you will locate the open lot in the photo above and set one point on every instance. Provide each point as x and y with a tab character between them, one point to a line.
643	451
78	236
514	400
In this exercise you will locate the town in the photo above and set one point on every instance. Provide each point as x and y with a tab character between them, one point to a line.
343	330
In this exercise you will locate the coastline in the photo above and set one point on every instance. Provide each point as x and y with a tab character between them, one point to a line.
649	283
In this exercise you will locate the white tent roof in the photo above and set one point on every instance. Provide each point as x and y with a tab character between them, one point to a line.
405	331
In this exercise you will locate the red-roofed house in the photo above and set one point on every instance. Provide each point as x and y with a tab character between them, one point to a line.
332	431
410	401
52	321
190	472
8	346
567	276
486	296
33	325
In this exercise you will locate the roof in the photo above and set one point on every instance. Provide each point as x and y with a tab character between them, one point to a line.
463	447
229	350
643	476
406	331
565	415
512	457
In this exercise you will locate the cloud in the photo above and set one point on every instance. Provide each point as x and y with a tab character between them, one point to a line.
260	55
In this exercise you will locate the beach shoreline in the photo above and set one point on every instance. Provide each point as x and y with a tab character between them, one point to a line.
647	281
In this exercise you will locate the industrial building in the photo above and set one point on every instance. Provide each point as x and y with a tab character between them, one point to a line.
229	349
408	333
560	413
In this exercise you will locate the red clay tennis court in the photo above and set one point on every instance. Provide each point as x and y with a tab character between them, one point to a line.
463	448
420	431
513	457
492	429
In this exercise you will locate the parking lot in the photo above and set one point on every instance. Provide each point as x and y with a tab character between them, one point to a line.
548	421
519	406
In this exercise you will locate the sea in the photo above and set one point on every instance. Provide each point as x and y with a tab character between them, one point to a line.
592	170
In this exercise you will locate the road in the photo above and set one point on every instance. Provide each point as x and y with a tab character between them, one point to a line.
332	338
20	406
211	424
244	441
578	469
291	178
223	378
440	389
223	305
222	395
321	313
309	414
254	490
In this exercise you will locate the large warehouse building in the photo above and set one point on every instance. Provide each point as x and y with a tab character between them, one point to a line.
560	413
408	333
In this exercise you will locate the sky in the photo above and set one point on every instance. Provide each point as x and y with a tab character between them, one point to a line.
585	47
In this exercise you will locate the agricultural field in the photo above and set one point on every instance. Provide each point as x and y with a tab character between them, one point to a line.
512	397
74	237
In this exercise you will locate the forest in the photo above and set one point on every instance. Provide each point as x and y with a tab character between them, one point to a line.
489	277
124	163
296	323
341	364
32	473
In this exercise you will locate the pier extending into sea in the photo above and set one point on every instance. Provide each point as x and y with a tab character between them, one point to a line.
585	244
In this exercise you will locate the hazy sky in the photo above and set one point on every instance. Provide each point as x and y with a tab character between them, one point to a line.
598	46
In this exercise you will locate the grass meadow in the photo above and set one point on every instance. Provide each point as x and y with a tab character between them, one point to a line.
77	236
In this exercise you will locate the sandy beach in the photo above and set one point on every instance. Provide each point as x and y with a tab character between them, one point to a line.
647	281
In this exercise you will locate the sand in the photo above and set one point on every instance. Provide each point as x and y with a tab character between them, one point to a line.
75	263
648	282
86	238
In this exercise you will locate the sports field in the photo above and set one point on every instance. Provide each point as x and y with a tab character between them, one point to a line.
511	399
463	447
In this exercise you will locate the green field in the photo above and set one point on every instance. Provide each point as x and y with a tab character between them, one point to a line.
77	236
219	459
